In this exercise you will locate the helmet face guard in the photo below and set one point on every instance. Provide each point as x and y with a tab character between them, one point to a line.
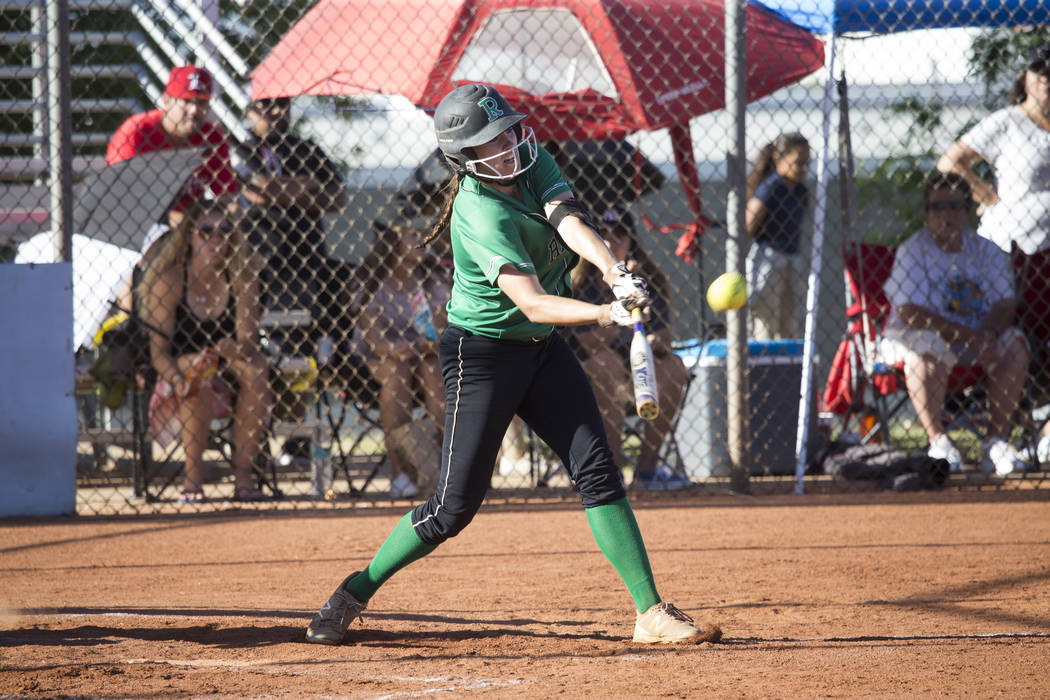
472	115
486	168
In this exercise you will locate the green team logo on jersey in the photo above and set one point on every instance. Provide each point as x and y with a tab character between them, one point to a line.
555	249
491	107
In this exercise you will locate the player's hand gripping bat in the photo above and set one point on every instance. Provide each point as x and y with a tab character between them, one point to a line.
646	400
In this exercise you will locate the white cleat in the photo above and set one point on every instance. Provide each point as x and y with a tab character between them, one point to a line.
665	624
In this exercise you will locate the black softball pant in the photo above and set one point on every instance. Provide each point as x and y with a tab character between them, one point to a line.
487	381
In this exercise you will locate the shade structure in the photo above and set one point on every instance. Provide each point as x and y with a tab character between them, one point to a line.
108	266
121	202
835	17
887	16
582	69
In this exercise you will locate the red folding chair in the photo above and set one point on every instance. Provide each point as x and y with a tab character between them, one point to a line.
861	388
1032	273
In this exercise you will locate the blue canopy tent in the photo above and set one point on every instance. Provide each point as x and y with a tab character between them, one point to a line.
888	16
835	17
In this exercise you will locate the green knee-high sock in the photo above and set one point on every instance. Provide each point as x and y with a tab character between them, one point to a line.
402	547
617	534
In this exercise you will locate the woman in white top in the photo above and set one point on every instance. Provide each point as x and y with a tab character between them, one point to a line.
1015	210
1015	142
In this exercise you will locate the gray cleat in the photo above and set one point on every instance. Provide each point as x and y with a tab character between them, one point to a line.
330	623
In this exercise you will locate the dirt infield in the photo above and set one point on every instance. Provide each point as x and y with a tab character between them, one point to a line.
868	595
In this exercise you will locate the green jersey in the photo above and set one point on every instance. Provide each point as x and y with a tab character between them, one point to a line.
489	230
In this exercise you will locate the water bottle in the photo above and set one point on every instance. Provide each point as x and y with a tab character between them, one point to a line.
325	350
321	476
422	318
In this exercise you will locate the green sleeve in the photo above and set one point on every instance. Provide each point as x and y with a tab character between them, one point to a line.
545	179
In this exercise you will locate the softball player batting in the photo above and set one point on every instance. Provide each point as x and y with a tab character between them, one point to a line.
517	231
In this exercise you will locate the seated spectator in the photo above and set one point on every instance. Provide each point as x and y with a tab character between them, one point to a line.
181	121
400	325
201	299
953	304
603	352
289	184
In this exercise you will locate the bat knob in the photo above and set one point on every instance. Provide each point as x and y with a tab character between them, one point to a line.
649	411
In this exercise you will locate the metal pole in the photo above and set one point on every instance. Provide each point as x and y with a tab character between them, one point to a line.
60	128
813	295
38	15
736	321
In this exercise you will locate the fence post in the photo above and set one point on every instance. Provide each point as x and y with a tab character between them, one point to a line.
736	321
60	128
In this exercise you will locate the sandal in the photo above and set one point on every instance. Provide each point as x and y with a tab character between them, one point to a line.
191	496
248	494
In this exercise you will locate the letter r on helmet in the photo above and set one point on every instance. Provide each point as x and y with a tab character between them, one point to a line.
491	107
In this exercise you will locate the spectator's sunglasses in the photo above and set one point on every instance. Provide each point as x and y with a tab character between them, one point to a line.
209	231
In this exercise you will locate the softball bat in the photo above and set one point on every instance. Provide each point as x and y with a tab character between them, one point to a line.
646	400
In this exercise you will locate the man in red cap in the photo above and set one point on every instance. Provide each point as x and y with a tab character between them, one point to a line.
181	122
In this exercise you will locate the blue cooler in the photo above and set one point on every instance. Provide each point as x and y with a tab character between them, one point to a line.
774	380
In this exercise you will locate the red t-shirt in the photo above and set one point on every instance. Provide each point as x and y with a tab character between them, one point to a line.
142	133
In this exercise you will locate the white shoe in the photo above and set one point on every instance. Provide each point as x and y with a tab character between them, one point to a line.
402	487
665	624
941	447
661	479
520	466
1042	449
1002	459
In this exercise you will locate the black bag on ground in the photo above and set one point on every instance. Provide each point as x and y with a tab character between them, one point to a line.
891	468
123	350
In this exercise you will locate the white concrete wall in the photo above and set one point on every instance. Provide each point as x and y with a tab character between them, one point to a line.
38	424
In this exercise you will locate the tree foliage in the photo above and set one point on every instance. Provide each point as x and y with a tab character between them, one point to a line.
894	186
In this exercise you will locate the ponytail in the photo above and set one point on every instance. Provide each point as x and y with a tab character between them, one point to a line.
763	167
449	192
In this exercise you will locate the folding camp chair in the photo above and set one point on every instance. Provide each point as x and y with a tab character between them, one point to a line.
670	454
348	407
1032	273
349	395
865	391
162	471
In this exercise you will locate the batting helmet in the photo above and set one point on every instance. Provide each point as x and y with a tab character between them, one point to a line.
472	115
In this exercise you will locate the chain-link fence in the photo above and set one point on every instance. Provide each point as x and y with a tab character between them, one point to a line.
255	316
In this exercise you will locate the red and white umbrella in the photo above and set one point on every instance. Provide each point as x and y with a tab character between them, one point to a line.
582	69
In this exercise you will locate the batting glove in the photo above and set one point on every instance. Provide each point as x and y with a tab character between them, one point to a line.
618	313
626	284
